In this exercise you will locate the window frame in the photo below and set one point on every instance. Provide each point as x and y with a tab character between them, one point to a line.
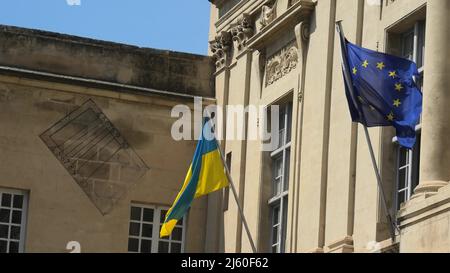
413	159
23	220
156	225
413	156
280	199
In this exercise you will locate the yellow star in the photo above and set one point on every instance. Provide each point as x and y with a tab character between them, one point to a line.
393	74
398	87
360	99
372	108
391	116
355	70
381	66
365	64
397	103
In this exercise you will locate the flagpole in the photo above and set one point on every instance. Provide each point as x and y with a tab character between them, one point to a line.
389	217
236	197
241	211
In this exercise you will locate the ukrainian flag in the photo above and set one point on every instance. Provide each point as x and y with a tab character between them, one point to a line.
205	175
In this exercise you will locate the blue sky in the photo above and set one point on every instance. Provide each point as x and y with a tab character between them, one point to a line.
179	25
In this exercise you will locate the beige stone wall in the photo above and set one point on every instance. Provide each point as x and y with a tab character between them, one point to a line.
43	77
59	211
334	201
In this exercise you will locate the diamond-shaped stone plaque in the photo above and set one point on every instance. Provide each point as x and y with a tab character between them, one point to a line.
96	155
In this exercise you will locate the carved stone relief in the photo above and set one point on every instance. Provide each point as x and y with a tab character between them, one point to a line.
282	63
220	48
268	14
242	31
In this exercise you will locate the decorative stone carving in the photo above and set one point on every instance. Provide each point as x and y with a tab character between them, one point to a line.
268	14
302	36
220	48
242	31
282	63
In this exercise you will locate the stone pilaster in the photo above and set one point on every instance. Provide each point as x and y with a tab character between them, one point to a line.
435	153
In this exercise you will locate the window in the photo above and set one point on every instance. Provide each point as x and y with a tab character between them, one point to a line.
280	182
13	209
408	172
145	224
413	48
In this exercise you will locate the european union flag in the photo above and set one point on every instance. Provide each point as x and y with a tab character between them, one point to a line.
381	91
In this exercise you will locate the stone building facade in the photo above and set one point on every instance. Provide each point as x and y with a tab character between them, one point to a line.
87	160
317	192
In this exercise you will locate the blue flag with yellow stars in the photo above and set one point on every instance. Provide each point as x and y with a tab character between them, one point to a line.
383	91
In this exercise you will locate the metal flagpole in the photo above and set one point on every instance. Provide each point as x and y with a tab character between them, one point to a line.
241	211
233	189
393	226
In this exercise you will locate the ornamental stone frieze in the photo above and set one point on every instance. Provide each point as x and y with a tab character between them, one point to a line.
242	31
220	48
281	63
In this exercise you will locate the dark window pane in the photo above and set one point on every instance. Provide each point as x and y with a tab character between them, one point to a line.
275	235
284	225
401	199
148	215
6	200
3	246
274	249
175	248
135	213
180	222
4	215
4	231
135	229
163	216
146	246
177	234
286	171
133	245
402	178
18	201
13	247
289	123
16	217
408	46
163	247
416	164
15	233
282	117
276	215
147	230
403	157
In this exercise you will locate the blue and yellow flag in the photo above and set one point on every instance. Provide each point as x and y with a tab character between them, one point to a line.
205	175
381	91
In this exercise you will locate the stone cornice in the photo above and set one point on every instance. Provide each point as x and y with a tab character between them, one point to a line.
300	11
230	12
246	6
